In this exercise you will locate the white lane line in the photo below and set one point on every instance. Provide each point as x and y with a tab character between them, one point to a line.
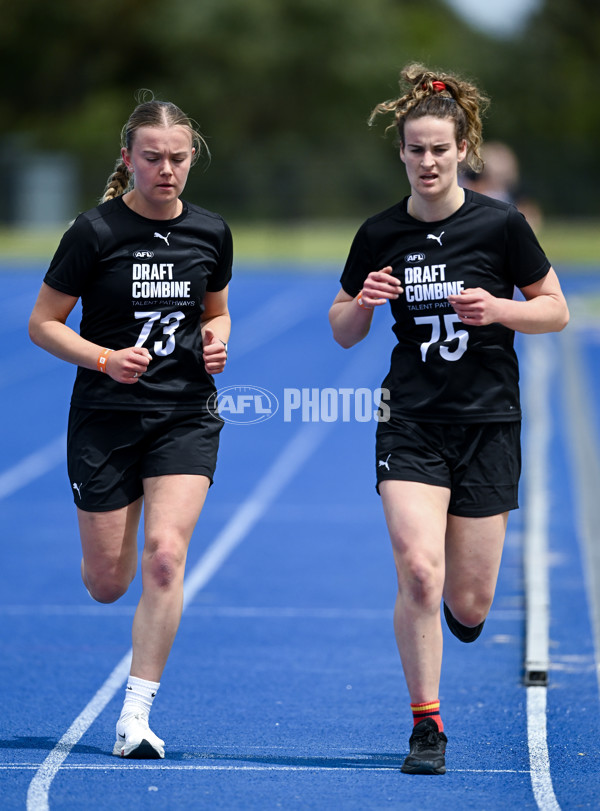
207	612
539	760
537	398
33	466
286	465
164	766
39	788
239	612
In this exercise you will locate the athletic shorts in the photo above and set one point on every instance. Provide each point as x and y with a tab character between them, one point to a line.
479	463
110	453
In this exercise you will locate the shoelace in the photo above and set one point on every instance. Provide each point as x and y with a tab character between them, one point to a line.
427	739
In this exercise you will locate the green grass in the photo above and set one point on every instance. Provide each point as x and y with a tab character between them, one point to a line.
565	243
22	245
571	242
262	242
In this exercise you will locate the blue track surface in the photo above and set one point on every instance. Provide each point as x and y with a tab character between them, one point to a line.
284	688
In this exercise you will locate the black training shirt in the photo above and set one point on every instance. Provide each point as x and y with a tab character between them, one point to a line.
142	283
443	370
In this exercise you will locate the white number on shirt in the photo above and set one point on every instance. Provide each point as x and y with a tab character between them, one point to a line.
435	322
170	323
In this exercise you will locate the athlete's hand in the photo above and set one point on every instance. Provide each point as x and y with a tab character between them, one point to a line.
476	306
214	352
128	365
380	286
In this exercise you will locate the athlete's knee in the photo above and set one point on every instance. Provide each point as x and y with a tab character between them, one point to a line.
163	567
420	578
470	608
105	591
105	585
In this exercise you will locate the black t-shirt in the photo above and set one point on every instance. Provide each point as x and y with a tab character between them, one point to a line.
441	369
142	283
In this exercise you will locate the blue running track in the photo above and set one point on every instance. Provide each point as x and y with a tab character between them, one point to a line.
284	689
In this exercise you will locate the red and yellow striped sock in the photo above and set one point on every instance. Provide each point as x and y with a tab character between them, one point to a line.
428	709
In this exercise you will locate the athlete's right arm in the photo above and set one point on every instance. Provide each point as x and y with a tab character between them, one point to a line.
48	330
350	318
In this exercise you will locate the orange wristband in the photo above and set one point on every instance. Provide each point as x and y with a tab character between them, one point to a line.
102	358
360	302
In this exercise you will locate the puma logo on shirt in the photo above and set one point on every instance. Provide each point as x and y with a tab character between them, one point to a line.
160	236
429	236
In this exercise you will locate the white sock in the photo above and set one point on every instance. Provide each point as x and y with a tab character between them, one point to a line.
139	695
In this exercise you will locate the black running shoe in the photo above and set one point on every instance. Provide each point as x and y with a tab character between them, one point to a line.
462	632
427	749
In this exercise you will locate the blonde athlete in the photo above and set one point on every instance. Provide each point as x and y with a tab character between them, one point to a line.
448	460
152	272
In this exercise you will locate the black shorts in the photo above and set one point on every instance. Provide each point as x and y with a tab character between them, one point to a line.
109	453
480	463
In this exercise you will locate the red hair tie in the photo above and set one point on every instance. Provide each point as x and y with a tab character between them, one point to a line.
438	86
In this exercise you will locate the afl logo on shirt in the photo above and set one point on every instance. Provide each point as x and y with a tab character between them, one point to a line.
411	258
143	254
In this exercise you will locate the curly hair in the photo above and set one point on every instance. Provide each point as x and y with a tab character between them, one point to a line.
443	95
149	112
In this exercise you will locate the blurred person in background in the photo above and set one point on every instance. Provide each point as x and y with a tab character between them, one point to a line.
499	178
448	459
152	272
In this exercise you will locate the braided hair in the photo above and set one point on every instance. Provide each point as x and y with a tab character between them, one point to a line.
150	112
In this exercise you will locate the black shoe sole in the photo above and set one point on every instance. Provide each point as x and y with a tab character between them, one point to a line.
424	767
143	752
462	632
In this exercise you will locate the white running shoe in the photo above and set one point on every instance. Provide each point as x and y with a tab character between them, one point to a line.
135	739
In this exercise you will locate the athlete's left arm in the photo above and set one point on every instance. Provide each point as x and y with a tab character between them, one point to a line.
544	309
215	325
